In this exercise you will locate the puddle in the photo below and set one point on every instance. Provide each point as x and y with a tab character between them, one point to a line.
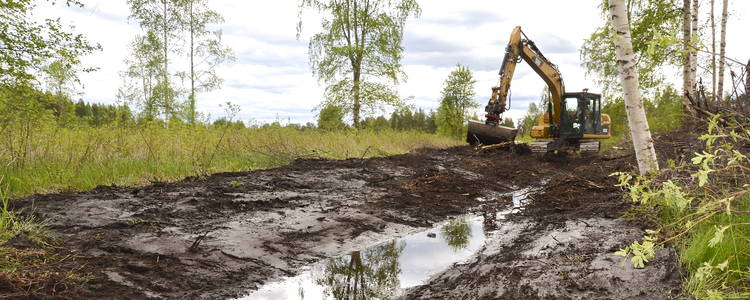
383	271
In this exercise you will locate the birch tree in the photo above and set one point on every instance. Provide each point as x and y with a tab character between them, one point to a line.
625	58
163	18
722	48
143	74
694	41
457	101
713	50
205	51
688	76
358	54
61	78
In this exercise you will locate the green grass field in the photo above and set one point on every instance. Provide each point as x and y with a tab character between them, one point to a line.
56	159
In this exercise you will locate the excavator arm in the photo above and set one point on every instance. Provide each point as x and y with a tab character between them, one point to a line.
519	48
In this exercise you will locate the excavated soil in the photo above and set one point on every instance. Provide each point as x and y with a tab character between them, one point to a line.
226	235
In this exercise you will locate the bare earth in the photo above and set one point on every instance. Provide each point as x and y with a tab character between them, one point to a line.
225	235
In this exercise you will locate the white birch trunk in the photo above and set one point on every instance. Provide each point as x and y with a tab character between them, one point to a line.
687	85
722	47
642	142
713	53
694	52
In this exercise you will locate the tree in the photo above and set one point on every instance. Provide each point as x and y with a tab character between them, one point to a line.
358	54
61	78
647	19
688	74
331	117
457	101
25	45
722	48
534	113
204	50
626	64
372	273
143	74
162	19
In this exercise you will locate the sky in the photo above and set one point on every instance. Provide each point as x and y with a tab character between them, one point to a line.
271	78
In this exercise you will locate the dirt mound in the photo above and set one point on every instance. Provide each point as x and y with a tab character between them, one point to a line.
227	234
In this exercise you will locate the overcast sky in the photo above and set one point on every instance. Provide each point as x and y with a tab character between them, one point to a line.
272	79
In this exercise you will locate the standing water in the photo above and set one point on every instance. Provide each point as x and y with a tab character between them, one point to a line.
383	271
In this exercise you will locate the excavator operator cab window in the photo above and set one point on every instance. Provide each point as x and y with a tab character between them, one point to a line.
573	116
593	112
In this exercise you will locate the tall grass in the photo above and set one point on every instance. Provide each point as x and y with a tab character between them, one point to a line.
50	159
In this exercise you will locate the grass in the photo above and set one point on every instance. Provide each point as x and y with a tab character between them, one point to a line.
57	159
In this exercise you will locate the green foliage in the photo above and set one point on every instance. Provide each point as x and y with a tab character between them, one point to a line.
143	75
639	253
456	233
648	20
508	122
535	112
331	117
705	211
456	102
26	45
148	83
368	274
358	54
663	110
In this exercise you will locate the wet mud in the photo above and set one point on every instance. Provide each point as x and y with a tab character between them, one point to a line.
226	235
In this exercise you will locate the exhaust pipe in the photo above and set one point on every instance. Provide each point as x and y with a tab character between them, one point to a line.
481	133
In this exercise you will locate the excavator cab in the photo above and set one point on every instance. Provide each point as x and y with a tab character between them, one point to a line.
581	115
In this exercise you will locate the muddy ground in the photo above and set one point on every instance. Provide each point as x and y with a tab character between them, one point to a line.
225	235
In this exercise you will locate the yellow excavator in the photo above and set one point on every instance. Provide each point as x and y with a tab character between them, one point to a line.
573	121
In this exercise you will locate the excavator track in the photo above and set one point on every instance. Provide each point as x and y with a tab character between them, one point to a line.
544	146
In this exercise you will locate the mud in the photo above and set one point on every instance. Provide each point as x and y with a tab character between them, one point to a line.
223	236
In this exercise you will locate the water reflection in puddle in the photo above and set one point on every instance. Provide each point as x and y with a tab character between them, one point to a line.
383	271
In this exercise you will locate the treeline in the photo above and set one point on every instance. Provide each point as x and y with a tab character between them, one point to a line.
68	113
404	120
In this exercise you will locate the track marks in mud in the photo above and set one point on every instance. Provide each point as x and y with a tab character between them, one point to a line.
228	233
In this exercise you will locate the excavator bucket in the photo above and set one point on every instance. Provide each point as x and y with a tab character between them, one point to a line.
481	133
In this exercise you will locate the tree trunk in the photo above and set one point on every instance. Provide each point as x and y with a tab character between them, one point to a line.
356	106
166	66
722	47
688	86
642	142
694	51
713	53
192	66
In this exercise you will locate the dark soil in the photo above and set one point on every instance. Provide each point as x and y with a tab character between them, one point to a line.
225	235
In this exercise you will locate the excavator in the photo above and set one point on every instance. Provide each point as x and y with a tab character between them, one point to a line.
572	121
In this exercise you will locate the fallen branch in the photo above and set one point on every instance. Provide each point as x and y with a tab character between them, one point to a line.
721	120
503	144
